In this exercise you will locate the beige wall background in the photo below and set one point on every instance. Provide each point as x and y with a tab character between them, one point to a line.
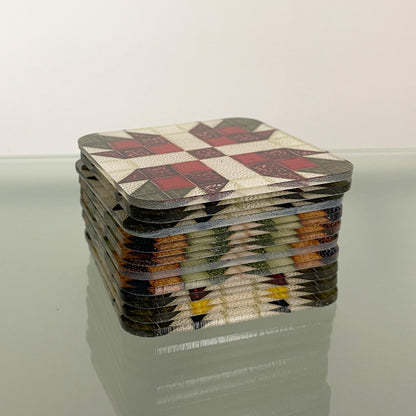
341	74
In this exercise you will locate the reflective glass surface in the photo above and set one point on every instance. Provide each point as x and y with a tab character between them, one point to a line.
63	351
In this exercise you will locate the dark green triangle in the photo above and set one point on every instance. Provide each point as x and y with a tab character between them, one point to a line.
178	193
150	192
248	123
95	141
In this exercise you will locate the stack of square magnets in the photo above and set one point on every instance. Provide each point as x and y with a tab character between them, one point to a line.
206	223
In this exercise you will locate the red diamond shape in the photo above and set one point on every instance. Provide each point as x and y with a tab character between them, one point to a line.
220	141
298	163
249	158
175	182
189	167
165	148
124	144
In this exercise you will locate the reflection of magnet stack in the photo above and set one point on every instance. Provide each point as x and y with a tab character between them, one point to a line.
273	366
201	224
